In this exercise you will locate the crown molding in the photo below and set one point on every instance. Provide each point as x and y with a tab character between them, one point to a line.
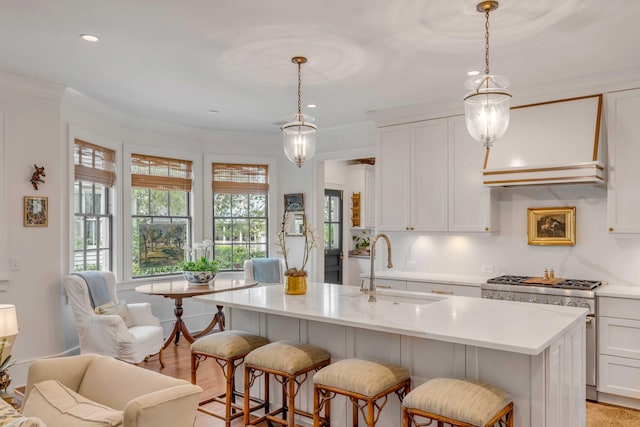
22	84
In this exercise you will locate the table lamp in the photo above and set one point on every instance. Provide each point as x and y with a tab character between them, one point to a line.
8	332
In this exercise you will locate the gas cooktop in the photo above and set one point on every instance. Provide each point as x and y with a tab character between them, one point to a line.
578	284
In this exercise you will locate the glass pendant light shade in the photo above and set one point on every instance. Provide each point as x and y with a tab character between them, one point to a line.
487	103
486	108
299	139
299	134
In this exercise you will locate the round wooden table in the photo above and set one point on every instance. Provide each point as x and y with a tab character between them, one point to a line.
179	289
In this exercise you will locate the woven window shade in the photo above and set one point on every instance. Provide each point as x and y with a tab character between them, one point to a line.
160	173
240	178
93	163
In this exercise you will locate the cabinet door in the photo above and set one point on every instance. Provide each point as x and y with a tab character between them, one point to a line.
429	172
399	285
443	289
394	155
623	188
619	375
619	337
472	206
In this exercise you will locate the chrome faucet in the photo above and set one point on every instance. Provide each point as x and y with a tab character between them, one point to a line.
372	283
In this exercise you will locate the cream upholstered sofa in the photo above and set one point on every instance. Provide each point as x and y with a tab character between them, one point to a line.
99	391
10	417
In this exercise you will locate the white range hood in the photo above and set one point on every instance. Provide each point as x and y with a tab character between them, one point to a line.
549	143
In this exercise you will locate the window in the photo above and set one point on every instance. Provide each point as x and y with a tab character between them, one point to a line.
161	213
94	176
240	219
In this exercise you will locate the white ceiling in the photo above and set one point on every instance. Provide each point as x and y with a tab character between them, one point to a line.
174	60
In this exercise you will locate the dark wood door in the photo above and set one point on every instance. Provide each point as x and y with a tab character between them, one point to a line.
333	236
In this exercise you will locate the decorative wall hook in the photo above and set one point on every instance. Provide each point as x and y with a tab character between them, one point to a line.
35	178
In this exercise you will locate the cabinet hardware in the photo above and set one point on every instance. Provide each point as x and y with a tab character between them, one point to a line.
610	228
442	292
486	229
383	286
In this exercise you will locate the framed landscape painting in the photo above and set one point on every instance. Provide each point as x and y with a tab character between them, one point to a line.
294	202
552	226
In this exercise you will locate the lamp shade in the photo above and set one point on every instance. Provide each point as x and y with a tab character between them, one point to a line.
487	108
299	140
8	320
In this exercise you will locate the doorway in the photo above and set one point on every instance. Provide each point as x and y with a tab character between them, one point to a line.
333	222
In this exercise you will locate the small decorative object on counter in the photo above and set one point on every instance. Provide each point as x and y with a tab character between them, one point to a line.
198	269
295	278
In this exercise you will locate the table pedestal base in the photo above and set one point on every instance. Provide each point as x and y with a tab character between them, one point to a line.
179	327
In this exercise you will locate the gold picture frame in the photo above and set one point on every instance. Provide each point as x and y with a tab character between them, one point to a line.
552	226
36	211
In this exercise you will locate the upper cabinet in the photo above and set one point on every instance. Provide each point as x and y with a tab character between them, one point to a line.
412	177
473	207
430	179
623	190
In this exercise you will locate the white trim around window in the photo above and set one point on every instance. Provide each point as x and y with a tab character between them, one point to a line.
273	192
73	133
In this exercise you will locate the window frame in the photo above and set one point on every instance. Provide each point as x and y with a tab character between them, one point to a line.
115	207
195	204
272	205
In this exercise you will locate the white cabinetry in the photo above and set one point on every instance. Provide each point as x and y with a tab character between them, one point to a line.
362	180
443	289
623	188
430	179
619	349
472	206
412	173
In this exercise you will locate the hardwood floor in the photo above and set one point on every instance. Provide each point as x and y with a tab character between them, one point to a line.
178	364
177	360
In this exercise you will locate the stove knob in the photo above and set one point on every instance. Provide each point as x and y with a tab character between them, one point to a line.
558	303
585	305
534	300
572	304
511	298
500	297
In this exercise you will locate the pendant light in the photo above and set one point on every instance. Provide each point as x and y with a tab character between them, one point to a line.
299	135
487	104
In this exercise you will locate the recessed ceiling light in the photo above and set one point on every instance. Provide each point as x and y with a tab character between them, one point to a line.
89	37
473	73
312	106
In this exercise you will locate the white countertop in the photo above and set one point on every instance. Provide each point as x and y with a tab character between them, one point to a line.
450	279
503	325
618	291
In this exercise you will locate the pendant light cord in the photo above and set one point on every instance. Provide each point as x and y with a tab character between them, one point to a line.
299	90
486	42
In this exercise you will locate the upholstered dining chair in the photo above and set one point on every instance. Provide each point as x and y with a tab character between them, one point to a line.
265	270
129	332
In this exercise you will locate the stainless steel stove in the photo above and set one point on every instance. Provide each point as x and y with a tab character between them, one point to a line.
556	291
569	292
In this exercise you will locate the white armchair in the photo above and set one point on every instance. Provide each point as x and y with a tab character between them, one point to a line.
108	334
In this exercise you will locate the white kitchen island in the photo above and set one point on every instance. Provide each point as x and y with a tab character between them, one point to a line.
535	352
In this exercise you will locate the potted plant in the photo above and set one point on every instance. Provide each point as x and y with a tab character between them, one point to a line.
198	268
295	278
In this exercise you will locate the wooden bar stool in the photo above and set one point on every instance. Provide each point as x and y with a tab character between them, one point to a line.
361	381
461	403
228	349
290	363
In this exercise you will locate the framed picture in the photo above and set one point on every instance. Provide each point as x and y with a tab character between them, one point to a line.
552	226
294	202
36	211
